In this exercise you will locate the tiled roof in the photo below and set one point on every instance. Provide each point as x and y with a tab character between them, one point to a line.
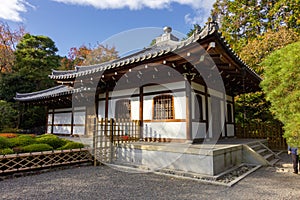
44	94
146	54
154	51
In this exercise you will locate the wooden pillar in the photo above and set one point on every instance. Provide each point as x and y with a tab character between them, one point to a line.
72	120
233	110
47	114
188	90
52	122
141	112
206	112
225	115
106	102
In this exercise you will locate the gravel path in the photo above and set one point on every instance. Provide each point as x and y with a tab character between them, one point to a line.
105	183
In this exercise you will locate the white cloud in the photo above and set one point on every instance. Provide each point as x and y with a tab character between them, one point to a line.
201	7
11	9
137	4
200	14
199	17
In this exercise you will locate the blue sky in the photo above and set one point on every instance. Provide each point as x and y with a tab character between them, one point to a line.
72	23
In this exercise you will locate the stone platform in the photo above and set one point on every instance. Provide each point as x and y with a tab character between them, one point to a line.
206	158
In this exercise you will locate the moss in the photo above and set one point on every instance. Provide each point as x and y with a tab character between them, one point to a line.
4	142
36	148
6	151
72	145
22	140
51	140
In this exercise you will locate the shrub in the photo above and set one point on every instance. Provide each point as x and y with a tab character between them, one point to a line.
6	151
22	140
37	148
10	130
4	142
72	145
51	140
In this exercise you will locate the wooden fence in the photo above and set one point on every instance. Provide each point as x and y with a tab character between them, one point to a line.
38	160
111	132
272	132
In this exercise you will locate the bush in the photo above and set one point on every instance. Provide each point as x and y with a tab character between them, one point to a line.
22	140
4	142
72	145
6	151
37	148
51	140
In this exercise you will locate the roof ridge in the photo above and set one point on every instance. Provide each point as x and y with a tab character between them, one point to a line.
18	95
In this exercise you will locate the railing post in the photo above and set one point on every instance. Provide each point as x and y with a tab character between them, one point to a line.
95	140
111	140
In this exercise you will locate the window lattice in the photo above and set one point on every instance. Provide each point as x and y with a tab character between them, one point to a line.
163	107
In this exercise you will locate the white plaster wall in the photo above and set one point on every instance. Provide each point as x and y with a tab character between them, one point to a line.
223	112
49	129
62	129
135	109
230	130
79	117
163	87
209	118
165	130
62	118
78	130
199	130
101	109
50	118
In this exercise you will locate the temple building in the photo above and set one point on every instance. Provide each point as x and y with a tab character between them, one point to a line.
180	91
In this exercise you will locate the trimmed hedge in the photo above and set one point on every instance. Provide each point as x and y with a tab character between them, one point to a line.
51	140
72	145
37	148
22	140
4	142
6	151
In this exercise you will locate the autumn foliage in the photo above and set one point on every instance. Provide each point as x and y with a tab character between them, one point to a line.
8	41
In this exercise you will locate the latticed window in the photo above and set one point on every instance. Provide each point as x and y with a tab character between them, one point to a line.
123	109
163	107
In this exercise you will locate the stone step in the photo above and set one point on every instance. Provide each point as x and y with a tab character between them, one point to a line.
274	161
256	147
268	156
261	151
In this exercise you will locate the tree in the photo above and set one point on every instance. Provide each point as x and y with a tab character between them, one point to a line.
101	54
35	56
241	20
262	46
84	55
8	41
252	107
282	87
78	55
7	115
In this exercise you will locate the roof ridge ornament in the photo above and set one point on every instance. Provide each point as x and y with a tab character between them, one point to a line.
166	37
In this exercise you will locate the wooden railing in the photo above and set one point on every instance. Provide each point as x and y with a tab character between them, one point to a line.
111	132
272	132
38	160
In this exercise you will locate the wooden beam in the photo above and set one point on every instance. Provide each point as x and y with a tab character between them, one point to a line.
188	91
141	112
